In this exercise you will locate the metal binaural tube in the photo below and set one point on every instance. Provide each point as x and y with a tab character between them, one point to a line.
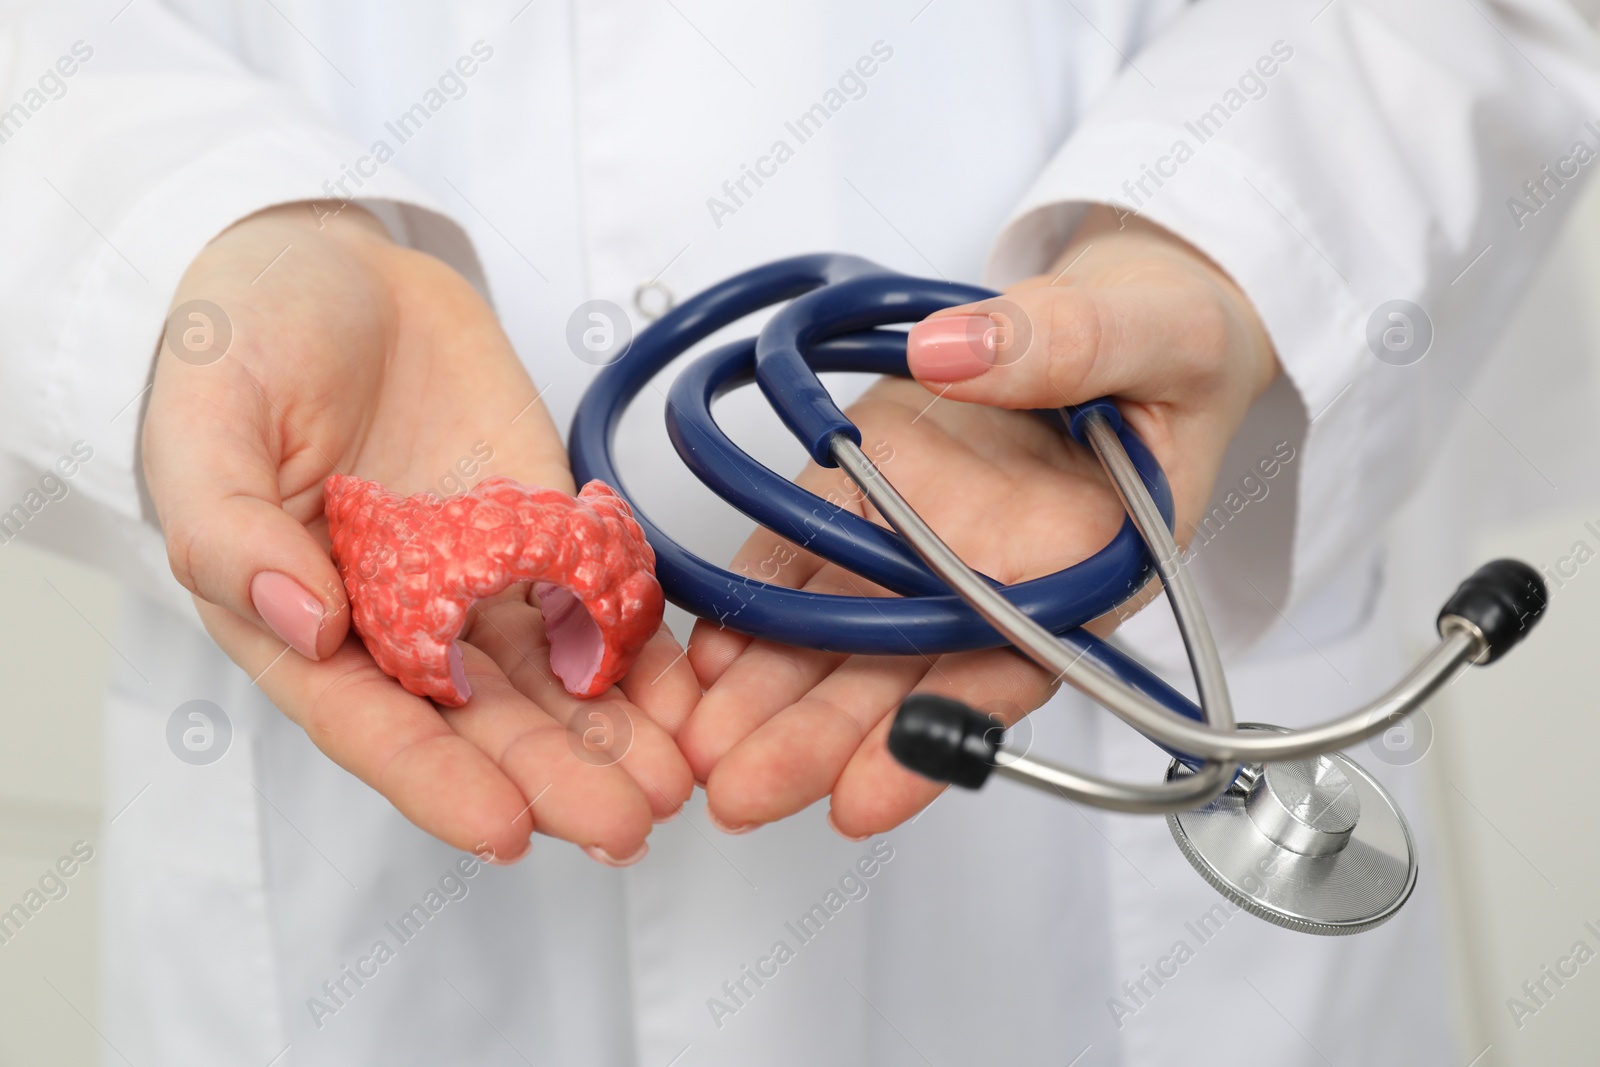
1217	742
1458	648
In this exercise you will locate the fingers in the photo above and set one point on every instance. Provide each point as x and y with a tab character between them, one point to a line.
393	741
606	733
760	680
212	460
593	804
834	740
1049	346
662	682
794	758
763	685
764	557
763	681
874	793
713	648
747	681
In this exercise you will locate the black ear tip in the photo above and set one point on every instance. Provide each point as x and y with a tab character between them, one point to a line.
1503	599
945	740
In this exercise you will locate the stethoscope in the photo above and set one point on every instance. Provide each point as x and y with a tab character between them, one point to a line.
1277	820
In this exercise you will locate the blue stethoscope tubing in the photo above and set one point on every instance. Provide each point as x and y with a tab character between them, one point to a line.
836	305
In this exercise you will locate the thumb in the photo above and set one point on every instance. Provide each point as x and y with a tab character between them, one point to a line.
1044	347
213	473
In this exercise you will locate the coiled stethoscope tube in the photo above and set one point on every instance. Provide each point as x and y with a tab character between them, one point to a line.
836	304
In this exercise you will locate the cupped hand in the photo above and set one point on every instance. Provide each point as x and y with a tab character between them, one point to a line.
1129	312
351	354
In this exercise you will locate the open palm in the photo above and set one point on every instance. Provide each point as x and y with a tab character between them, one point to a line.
352	355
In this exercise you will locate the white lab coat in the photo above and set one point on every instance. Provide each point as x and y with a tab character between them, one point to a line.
580	161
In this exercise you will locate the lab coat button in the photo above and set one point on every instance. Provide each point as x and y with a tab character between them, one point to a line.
653	299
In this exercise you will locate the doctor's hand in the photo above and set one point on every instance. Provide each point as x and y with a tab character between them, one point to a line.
1129	312
351	354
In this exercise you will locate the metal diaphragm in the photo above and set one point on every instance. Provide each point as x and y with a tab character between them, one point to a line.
1314	845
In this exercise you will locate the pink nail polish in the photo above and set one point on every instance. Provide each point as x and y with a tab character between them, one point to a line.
503	861
848	837
953	348
293	613
600	855
742	828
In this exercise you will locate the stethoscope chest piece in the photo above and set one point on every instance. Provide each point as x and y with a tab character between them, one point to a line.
1315	845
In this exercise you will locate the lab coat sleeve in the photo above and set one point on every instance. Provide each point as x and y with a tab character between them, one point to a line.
126	144
1333	158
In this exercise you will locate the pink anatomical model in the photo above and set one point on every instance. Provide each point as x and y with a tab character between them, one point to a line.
413	566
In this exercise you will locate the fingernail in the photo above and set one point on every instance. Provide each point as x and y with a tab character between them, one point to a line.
668	817
498	860
743	828
953	348
848	837
600	855
293	613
